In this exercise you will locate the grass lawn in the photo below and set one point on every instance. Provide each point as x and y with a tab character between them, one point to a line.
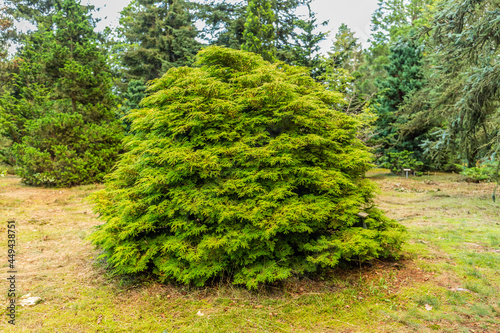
447	281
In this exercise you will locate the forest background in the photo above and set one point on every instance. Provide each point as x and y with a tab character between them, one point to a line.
425	88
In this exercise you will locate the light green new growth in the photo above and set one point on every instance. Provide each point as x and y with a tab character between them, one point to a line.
240	168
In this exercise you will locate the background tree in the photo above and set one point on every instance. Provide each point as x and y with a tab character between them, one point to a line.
135	93
468	38
259	34
393	19
405	76
291	38
304	50
341	69
160	35
6	31
393	73
459	105
60	106
224	22
34	11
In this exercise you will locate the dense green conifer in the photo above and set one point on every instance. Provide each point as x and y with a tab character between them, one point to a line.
340	69
240	168
59	106
404	77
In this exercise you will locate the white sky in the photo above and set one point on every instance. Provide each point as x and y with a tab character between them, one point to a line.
355	13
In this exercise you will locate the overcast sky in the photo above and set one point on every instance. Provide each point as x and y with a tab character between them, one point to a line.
355	13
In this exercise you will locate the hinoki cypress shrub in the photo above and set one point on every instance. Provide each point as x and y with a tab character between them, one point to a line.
240	168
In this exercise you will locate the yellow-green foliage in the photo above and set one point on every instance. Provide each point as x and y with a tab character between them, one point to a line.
240	168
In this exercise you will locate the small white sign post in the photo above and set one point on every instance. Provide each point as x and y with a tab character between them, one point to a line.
407	170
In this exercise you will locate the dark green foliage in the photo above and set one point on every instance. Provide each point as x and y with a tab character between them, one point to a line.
224	22
340	69
392	20
404	78
467	37
34	11
240	168
136	91
482	172
259	34
160	35
305	48
460	103
273	28
397	162
58	109
395	18
64	150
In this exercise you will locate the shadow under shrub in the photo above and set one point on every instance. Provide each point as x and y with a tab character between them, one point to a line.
241	168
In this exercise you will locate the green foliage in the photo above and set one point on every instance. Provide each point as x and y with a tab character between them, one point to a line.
391	21
396	162
403	80
34	11
273	28
160	35
224	22
240	168
340	69
396	18
136	91
57	109
437	149
482	172
467	41
304	50
6	30
63	150
259	34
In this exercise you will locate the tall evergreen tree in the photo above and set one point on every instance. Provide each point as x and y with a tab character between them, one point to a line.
467	71
60	103
392	20
304	49
259	35
6	28
404	77
341	69
33	11
291	38
224	22
160	34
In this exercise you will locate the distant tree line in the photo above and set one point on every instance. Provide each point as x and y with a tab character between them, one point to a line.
425	91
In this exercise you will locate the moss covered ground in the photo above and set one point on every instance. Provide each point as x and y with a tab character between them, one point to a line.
447	281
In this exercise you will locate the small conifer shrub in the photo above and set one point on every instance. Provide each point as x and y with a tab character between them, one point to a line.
240	168
64	150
